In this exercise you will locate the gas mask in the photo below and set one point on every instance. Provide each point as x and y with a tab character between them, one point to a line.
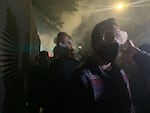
66	48
63	45
108	52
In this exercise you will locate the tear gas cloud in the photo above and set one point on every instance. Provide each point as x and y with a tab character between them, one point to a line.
79	24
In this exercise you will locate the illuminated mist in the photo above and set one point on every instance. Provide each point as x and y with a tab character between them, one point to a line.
134	19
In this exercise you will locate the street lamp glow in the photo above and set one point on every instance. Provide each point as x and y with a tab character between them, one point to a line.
119	6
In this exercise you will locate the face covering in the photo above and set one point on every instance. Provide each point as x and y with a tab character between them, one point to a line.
108	52
62	45
65	44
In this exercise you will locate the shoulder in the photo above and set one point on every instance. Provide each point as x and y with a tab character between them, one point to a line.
79	72
79	69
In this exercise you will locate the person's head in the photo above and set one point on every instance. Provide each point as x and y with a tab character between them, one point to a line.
43	54
42	59
63	43
63	39
105	41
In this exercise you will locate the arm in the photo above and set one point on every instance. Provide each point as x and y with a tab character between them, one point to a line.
141	58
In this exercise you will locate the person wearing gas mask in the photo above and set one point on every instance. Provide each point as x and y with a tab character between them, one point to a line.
99	85
64	55
63	46
61	68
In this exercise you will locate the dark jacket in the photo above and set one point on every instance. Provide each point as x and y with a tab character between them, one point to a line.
60	71
142	60
114	98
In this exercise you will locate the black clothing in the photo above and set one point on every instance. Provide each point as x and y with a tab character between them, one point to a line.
114	98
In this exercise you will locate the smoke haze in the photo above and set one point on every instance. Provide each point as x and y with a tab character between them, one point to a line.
80	22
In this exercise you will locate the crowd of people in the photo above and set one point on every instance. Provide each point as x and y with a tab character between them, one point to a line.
97	85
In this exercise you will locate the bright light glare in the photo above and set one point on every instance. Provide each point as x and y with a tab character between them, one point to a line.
80	47
120	6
